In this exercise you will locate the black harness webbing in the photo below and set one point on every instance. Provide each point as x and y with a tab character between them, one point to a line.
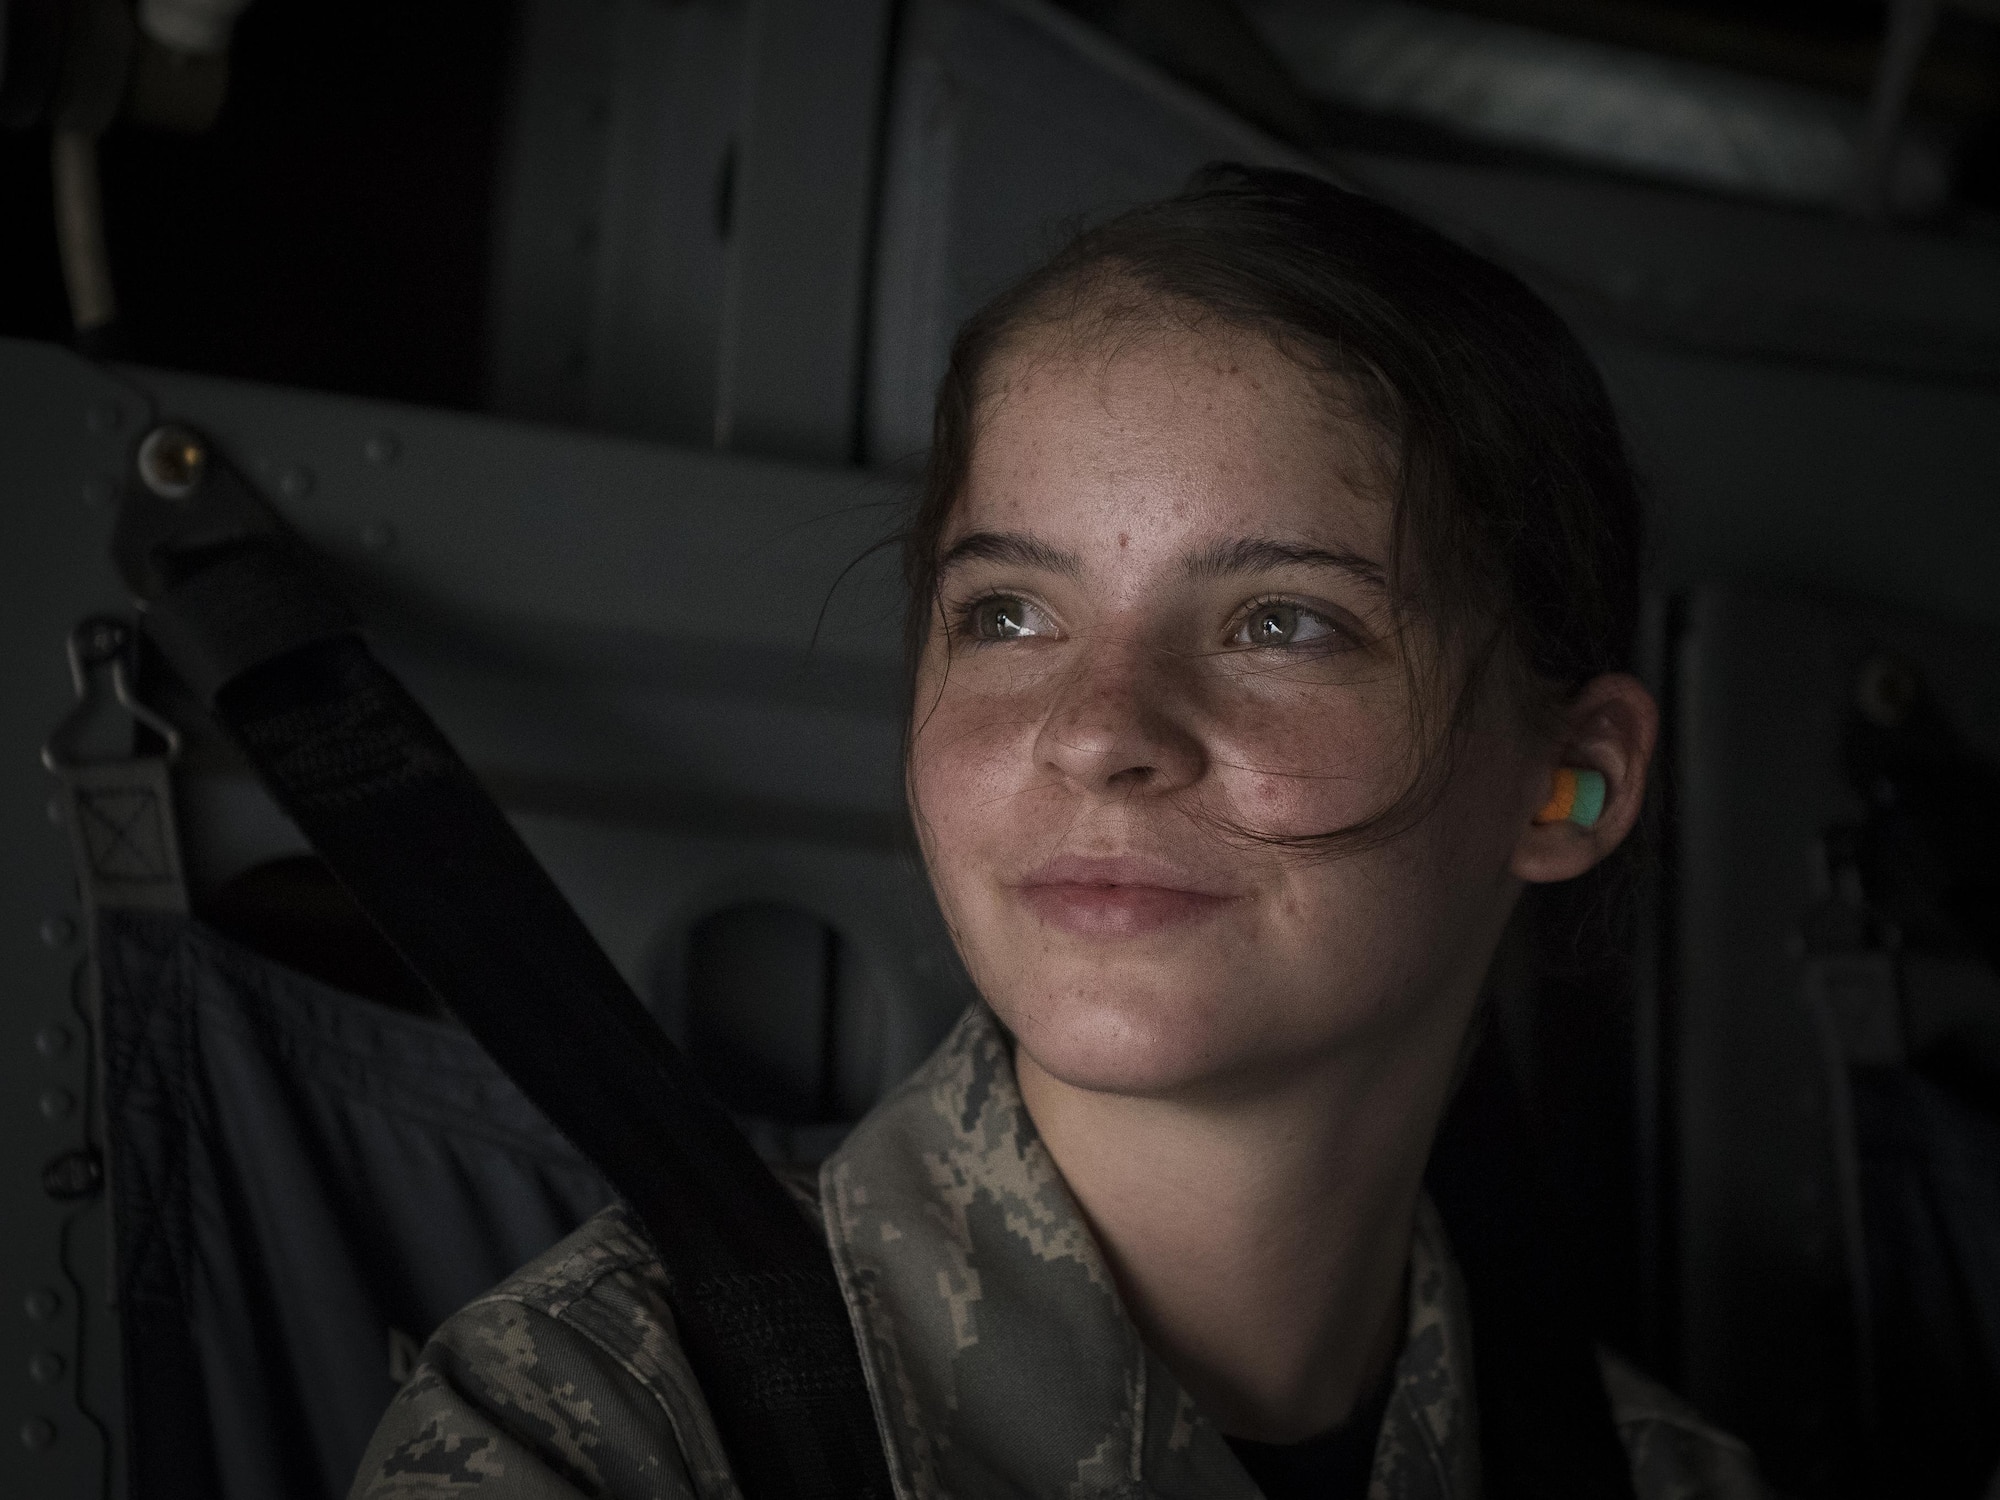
1545	1419
237	608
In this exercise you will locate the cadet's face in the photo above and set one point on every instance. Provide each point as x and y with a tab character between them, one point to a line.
1163	619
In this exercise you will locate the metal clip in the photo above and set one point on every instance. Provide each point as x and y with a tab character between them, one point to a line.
117	805
101	644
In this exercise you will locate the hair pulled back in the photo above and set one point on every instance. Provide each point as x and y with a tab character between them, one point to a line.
1516	526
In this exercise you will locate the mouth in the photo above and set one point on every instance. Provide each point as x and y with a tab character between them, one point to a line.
1120	897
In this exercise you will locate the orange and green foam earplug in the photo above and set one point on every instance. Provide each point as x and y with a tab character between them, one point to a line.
1578	798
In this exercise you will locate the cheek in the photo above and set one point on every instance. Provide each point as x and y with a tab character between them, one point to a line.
968	754
1310	759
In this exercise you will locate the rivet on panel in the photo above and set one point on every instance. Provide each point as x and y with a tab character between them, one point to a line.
295	481
38	1433
53	1039
56	1104
43	1303
58	931
381	448
46	1366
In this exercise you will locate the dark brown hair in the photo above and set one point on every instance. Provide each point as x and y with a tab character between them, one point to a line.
1516	528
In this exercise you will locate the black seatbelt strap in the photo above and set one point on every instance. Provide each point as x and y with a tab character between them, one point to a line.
1545	1419
237	607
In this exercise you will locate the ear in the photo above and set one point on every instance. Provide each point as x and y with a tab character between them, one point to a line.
1610	727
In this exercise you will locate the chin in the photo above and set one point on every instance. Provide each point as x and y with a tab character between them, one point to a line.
1126	1036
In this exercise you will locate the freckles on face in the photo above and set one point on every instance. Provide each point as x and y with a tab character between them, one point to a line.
1164	639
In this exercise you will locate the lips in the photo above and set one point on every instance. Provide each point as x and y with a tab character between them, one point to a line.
1118	897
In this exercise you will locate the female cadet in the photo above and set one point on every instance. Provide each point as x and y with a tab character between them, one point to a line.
1274	569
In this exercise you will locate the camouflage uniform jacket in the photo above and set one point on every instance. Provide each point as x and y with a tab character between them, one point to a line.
1000	1360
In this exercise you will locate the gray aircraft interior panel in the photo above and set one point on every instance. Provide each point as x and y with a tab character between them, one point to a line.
1829	479
1773	1339
643	650
69	426
1011	126
610	243
544	276
1744	278
664	117
515	569
1619	109
648	892
497	521
612	633
801	229
686	220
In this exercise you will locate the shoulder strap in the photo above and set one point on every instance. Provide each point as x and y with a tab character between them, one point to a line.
1545	1420
237	607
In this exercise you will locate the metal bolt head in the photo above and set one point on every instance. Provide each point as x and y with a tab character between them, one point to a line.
53	1040
56	1104
43	1303
381	448
58	931
172	461
46	1366
38	1433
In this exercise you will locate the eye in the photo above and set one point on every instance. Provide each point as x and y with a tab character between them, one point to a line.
1004	617
1278	622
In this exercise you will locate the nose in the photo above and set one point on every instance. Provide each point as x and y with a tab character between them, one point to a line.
1121	721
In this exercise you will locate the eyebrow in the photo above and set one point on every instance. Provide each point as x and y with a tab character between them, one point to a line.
1011	547
1255	553
1242	555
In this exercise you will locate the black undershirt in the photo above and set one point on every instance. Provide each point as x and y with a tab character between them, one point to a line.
1335	1465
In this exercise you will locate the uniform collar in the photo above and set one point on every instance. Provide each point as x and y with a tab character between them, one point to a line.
999	1357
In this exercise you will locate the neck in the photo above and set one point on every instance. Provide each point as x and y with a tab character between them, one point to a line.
1260	1240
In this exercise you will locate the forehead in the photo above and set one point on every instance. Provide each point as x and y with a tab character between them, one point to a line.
1158	432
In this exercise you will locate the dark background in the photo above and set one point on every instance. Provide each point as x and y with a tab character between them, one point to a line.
332	230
